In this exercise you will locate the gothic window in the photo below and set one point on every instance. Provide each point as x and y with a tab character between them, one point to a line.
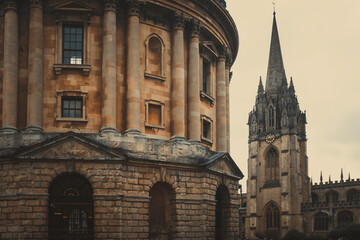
332	196
71	106
321	221
70	208
344	218
222	213
352	195
272	165
154	63
271	117
72	44
162	211
272	214
154	114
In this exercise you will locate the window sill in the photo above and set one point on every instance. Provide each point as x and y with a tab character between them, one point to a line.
154	126
206	141
61	119
156	77
207	98
85	68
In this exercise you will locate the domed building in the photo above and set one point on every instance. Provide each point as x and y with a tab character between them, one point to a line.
115	120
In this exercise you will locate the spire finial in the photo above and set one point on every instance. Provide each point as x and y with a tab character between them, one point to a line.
342	175
329	178
260	87
321	178
274	8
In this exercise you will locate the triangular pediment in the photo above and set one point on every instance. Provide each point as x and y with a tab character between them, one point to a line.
223	163
71	146
210	48
74	5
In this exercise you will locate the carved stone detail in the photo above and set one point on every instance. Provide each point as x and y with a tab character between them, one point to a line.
10	4
36	3
133	7
195	28
178	21
222	53
109	5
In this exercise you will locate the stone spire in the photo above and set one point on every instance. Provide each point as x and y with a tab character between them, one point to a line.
341	176
260	87
276	77
291	87
321	177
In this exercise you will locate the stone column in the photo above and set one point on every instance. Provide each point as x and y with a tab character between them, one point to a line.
227	74
11	60
220	104
193	84
178	79
35	67
109	68
133	69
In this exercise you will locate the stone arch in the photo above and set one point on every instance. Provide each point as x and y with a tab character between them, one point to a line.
71	207
154	55
344	218
271	216
222	212
162	211
353	195
272	163
321	221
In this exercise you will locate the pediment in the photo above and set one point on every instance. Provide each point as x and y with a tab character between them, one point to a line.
209	48
71	146
74	5
223	163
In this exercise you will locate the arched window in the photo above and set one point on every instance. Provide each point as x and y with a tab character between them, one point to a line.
321	221
162	211
154	51
314	197
222	213
70	208
345	218
272	214
352	195
272	165
271	117
332	196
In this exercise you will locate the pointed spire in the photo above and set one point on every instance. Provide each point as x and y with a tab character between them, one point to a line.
260	87
276	77
349	177
329	178
321	178
342	175
291	87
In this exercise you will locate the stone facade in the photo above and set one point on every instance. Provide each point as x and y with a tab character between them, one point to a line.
115	120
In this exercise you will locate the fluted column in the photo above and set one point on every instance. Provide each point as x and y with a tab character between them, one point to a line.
11	59
178	79
193	84
35	67
109	68
133	69
227	74
220	104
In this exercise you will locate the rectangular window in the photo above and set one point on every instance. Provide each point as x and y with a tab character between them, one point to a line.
71	107
206	77
154	114
73	44
206	130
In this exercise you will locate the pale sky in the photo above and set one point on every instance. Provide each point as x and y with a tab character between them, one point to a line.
320	43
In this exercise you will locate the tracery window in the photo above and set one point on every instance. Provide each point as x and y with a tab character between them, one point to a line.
332	196
321	221
70	208
353	195
272	165
272	216
271	117
345	218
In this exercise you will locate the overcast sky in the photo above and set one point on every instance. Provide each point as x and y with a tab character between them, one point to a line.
320	43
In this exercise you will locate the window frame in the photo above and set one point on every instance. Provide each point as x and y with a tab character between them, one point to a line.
71	94
147	73
72	26
208	141
158	103
208	53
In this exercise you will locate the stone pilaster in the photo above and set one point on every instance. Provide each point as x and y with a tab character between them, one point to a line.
11	60
221	104
109	68
178	79
133	69
35	67
194	127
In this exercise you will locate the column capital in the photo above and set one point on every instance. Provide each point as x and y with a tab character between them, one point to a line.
222	53
178	21
109	5
133	8
36	3
228	60
195	27
10	4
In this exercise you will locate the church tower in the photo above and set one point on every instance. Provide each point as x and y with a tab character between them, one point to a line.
278	181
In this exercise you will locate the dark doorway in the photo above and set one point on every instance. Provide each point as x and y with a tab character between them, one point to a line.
222	213
162	211
70	208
